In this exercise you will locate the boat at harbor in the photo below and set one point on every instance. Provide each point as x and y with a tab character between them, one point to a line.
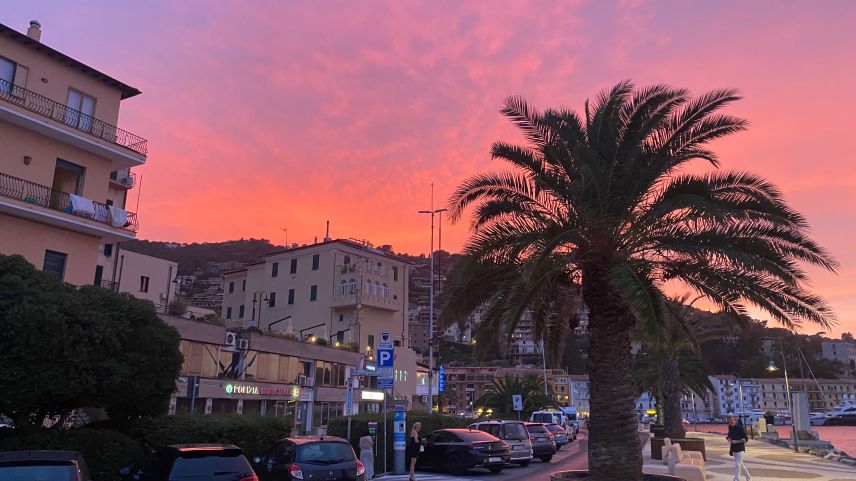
844	414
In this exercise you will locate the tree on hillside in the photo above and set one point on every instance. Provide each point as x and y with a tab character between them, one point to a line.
499	397
63	348
601	200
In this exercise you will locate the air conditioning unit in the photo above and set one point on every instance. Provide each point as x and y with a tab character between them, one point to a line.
243	344
231	338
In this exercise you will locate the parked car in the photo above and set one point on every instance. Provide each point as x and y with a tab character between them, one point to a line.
193	462
326	458
512	432
560	436
43	466
543	445
461	449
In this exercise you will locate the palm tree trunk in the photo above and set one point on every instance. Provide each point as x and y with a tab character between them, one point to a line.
613	447
673	421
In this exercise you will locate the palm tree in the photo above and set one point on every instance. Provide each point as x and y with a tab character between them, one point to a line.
670	363
601	201
499	397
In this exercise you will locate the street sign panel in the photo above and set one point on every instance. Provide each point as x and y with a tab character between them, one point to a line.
385	340
517	400
365	372
385	357
441	383
349	397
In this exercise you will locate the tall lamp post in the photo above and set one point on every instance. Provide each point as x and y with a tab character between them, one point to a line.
431	312
772	368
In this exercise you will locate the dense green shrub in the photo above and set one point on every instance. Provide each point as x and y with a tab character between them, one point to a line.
360	427
106	451
254	434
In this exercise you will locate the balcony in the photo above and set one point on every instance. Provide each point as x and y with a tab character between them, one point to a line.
37	195
133	147
358	299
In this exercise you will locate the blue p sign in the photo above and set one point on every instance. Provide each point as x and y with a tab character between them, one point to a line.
384	358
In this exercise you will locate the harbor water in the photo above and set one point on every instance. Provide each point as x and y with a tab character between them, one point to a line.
842	437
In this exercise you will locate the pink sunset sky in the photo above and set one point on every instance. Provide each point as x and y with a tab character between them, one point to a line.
269	115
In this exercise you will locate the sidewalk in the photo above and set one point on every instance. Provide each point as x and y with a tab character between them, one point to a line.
765	462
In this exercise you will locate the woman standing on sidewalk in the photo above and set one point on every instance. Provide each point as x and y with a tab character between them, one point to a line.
737	438
414	446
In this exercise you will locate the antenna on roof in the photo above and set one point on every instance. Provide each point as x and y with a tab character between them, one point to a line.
327	236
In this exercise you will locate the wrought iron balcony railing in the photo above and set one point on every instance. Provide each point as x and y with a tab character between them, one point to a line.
44	196
75	119
109	285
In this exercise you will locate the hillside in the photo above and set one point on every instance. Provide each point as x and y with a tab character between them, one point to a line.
196	258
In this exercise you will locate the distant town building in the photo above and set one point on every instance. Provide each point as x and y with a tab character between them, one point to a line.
841	351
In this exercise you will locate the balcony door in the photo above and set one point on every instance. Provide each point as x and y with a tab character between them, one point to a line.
68	179
7	75
81	110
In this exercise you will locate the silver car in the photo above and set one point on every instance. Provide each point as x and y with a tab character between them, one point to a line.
512	432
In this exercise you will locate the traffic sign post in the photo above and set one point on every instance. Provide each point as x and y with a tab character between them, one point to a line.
385	368
399	440
349	403
517	401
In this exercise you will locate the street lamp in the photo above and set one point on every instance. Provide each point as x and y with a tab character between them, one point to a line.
772	368
431	310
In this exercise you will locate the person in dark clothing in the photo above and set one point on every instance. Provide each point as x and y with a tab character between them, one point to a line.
771	420
414	446
737	439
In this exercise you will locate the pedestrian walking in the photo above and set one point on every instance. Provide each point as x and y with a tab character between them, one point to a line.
737	439
367	455
414	447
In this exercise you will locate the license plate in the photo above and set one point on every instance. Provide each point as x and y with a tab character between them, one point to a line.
541	440
494	460
517	446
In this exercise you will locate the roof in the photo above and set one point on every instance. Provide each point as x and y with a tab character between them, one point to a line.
16	36
313	439
347	243
40	455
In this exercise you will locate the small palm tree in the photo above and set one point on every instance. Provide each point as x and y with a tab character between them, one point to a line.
670	365
499	396
601	201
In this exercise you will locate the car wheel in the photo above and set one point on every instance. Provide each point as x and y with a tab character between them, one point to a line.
495	469
546	459
524	463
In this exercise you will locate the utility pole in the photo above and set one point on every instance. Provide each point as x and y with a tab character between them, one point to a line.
432	211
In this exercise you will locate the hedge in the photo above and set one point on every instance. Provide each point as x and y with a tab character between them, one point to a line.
106	451
360	427
253	434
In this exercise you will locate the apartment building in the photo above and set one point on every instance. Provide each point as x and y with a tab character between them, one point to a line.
267	375
342	291
468	383
823	394
65	168
142	276
841	351
733	395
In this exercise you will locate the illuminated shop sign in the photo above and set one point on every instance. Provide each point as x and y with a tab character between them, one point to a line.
255	390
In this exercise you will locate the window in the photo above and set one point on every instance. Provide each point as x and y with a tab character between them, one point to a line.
231	287
108	250
228	313
347	260
293	266
68	177
369	287
316	261
82	110
7	75
244	285
241	311
394	273
99	273
272	299
144	284
371	341
385	292
291	296
274	269
344	287
352	285
313	293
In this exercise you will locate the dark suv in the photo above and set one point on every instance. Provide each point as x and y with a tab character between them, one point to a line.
325	458
193	462
43	466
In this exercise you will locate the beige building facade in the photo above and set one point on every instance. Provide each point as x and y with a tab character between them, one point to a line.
64	165
342	291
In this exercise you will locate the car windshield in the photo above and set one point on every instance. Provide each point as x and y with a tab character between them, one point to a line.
202	464
536	429
555	428
29	471
325	453
515	431
542	417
